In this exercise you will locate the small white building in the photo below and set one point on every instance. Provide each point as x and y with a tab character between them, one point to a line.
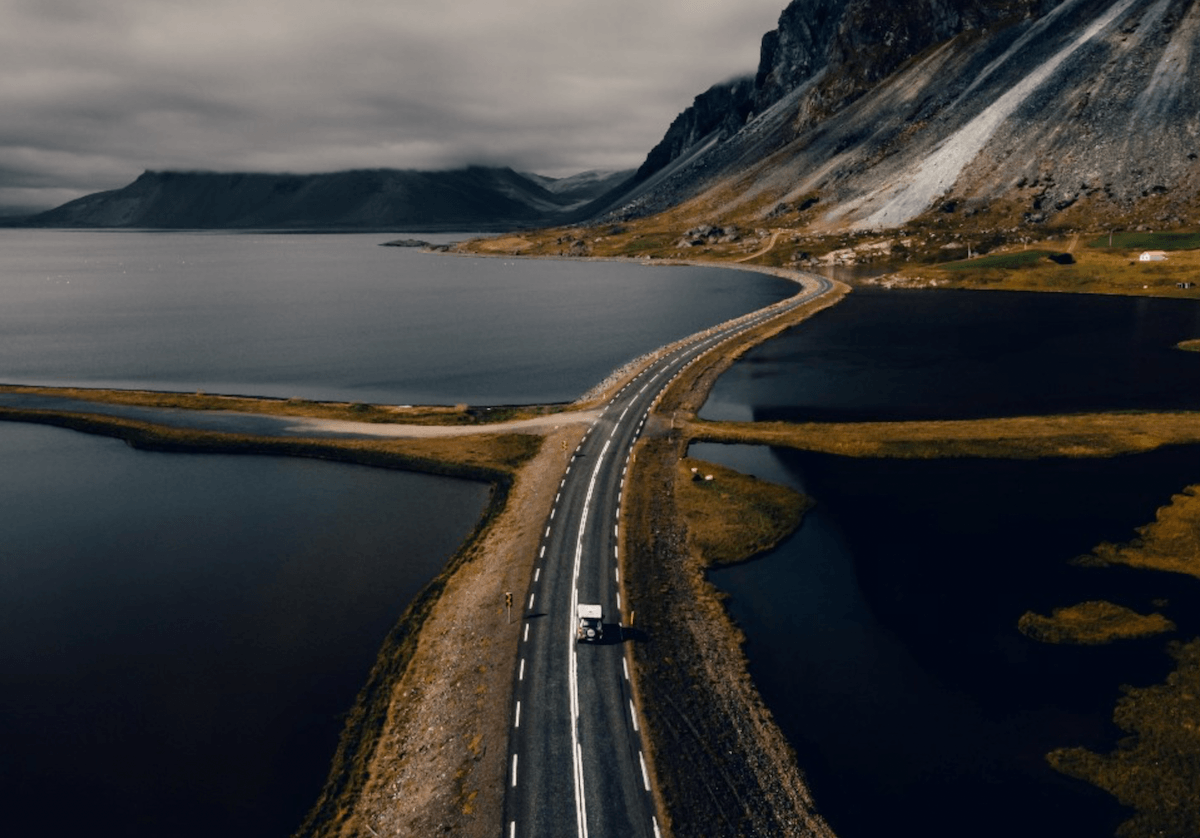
1153	256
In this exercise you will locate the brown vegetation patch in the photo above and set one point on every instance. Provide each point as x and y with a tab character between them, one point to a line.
1156	770
734	517
1171	543
1189	345
1022	437
1092	623
348	411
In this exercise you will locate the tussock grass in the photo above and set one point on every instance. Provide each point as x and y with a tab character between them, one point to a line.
734	517
1092	623
1156	770
1189	345
1171	543
1022	437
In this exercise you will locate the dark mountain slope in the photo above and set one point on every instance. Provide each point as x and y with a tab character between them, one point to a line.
1082	111
473	198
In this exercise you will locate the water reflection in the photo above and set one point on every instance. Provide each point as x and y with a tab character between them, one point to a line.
180	635
883	633
895	355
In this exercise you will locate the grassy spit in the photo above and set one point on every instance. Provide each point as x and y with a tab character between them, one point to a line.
1022	437
351	411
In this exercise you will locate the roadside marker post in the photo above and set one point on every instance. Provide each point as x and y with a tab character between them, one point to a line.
508	605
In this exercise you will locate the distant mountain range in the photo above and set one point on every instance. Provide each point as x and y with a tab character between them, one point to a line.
864	114
474	198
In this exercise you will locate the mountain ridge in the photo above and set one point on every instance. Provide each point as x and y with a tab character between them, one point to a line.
475	198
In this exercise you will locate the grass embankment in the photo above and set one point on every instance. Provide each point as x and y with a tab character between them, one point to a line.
734	517
1171	543
350	411
1092	623
1091	270
1022	437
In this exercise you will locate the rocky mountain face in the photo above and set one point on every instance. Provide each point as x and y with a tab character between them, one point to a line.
474	198
866	114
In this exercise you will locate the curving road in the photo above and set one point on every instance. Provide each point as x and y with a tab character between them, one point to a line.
576	765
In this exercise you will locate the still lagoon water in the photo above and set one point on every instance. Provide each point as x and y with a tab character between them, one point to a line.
337	317
180	635
883	633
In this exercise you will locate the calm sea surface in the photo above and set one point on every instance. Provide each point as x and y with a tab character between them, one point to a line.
181	635
338	317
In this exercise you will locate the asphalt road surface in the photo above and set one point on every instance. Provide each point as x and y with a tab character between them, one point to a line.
576	765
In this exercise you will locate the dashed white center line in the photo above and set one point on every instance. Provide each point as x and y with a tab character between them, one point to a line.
517	723
632	714
531	596
536	574
514	771
521	673
624	666
526	637
641	759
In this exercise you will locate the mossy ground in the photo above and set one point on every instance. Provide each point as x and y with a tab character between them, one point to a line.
1156	769
734	516
1092	623
1171	543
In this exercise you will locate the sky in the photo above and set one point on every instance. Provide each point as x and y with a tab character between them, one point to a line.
94	92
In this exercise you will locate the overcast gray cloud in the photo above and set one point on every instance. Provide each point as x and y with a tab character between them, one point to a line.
93	92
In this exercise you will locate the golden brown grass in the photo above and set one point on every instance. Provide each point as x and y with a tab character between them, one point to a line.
1189	345
1092	623
1095	271
1079	435
482	456
1171	543
1156	770
734	516
351	411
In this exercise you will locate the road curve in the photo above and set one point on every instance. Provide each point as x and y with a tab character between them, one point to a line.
575	761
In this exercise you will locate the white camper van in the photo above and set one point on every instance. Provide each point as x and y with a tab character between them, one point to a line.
590	625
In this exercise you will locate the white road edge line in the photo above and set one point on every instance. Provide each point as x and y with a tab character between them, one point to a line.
517	722
514	780
641	759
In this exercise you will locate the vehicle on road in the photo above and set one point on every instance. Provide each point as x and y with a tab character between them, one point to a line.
590	627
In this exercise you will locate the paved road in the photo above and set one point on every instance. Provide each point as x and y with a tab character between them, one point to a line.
576	765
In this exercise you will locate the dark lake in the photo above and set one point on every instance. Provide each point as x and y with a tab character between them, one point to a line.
180	635
883	633
895	355
338	317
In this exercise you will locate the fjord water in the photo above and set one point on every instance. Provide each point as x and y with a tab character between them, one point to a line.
900	355
883	633
181	635
338	317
